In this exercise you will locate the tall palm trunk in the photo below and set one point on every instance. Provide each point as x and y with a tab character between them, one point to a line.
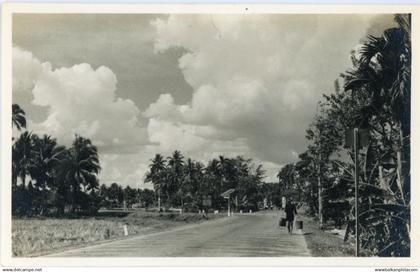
400	178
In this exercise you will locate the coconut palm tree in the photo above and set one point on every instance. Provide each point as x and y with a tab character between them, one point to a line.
157	176
383	71
190	179
18	117
212	182
176	162
199	171
175	172
47	155
79	168
21	158
227	171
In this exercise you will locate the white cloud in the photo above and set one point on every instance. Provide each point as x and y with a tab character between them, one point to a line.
26	70
164	108
199	142
125	169
257	77
255	80
80	100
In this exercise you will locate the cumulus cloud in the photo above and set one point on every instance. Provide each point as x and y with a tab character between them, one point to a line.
193	140
80	100
26	70
164	108
255	78
126	169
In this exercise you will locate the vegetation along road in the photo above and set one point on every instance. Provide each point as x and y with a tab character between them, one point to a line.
242	235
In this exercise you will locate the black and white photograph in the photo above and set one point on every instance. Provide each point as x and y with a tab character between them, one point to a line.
210	135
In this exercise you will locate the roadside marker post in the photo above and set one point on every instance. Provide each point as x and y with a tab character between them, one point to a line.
357	138
226	195
125	230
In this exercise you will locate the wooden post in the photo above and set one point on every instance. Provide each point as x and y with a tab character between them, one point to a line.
229	206
356	187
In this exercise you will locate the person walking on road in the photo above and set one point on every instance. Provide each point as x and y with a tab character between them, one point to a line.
290	211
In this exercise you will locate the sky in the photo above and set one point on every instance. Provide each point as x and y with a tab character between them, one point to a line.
206	85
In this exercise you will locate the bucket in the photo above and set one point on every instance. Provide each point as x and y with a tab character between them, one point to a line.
299	224
282	222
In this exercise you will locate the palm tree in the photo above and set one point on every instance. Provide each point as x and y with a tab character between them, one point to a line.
176	162
190	185
384	72
175	173
382	75
199	170
18	117
227	171
157	175
190	176
259	174
79	168
212	182
21	158
47	154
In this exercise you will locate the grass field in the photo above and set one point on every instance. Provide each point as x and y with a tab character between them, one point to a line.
33	237
323	243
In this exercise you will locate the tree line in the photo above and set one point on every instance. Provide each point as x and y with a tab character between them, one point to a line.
374	97
51	179
192	185
116	196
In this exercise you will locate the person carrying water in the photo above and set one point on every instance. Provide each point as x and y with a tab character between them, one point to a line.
290	211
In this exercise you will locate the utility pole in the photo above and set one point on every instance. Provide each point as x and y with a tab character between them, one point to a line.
357	138
320	208
356	187
321	217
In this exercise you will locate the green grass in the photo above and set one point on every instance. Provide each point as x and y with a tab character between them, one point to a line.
33	237
322	243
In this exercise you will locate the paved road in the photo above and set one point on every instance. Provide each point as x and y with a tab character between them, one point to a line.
242	235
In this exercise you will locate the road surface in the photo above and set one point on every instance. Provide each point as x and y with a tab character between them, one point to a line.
241	235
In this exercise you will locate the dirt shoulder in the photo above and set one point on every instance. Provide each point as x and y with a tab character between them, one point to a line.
324	243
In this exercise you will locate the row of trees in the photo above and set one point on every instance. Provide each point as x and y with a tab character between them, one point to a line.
115	196
65	180
375	96
61	179
191	184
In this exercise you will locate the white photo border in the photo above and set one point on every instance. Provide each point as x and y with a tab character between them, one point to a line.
8	9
